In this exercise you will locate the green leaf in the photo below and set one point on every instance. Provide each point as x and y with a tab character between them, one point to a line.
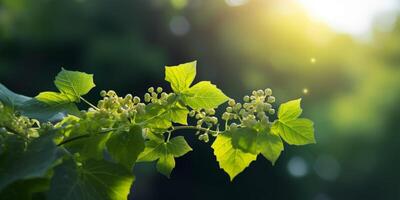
270	146
91	180
181	76
204	95
34	161
11	99
125	147
74	83
156	116
54	98
90	147
165	152
232	153
46	112
290	110
178	114
26	189
294	130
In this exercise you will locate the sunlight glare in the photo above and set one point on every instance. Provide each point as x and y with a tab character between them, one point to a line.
355	17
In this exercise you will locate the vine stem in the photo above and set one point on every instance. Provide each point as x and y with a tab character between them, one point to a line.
175	128
83	136
90	104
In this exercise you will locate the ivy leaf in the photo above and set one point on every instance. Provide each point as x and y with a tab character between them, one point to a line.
89	148
181	76
90	180
178	114
233	153
290	110
54	98
125	147
156	116
45	112
165	153
270	146
74	83
294	130
204	95
20	163
11	99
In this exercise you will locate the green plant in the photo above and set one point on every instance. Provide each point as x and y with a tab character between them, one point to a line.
50	149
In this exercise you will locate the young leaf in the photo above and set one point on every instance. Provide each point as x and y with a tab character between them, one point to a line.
125	147
20	163
181	76
270	146
54	98
74	83
93	180
178	114
293	130
233	158
204	95
165	152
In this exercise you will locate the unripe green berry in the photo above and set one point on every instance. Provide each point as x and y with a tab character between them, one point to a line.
238	106
267	106
229	109
147	97
210	111
3	130
159	89
271	99
151	89
214	120
246	98
225	116
199	116
204	137
111	93
192	113
260	92
136	100
268	92
128	97
103	93
271	111
231	102
164	95
233	126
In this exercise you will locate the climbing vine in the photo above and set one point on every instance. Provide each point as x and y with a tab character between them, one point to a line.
51	149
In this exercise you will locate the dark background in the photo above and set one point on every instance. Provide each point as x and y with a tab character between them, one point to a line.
353	84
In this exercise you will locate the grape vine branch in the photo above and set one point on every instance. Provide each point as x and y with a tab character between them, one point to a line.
52	150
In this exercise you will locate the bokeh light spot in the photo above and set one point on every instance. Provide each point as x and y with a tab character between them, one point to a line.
179	25
327	167
313	60
236	2
305	91
179	4
297	167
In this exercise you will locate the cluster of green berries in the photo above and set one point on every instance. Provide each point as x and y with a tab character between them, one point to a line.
256	107
157	96
11	121
119	107
205	118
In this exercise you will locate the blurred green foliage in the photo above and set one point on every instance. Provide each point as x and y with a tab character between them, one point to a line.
352	86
